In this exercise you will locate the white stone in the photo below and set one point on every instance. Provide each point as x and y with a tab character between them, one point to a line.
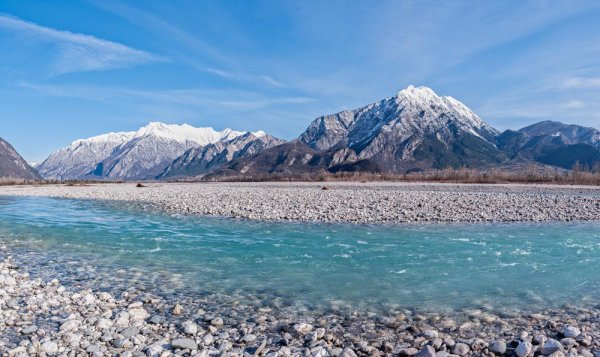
571	331
523	349
50	347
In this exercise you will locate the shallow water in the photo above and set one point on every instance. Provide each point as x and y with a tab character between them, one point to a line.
443	267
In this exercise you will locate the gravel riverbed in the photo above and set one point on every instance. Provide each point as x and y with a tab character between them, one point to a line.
86	315
87	311
347	202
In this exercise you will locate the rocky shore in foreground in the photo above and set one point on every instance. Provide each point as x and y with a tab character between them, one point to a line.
347	202
47	318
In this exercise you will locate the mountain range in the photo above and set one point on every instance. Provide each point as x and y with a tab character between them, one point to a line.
414	130
138	155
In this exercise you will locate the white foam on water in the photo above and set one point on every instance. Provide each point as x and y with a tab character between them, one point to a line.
460	239
343	255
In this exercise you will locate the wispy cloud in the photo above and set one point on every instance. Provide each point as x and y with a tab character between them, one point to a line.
187	48
272	81
77	52
246	78
582	82
222	73
195	97
157	25
574	104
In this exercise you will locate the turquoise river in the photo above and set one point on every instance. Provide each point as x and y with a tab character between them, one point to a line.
432	266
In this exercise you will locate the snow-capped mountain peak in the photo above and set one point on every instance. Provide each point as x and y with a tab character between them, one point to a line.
259	134
185	132
130	155
426	99
413	113
420	93
111	137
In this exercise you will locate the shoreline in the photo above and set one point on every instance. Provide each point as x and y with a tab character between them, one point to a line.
44	316
57	304
347	202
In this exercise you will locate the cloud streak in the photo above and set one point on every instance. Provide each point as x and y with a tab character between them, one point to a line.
195	97
583	82
75	52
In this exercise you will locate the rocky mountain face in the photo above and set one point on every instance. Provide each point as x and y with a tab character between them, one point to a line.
552	143
418	130
12	164
139	155
201	160
80	158
414	130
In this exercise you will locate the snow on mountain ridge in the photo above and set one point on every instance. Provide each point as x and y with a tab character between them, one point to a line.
418	96
165	141
185	132
403	129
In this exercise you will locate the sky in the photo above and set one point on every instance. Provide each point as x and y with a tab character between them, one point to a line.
74	69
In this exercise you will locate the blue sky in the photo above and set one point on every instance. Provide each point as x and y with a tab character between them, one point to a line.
72	69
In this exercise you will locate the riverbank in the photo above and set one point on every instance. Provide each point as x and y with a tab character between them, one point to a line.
347	201
95	278
41	316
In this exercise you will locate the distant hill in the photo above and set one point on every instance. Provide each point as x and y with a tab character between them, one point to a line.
12	164
552	143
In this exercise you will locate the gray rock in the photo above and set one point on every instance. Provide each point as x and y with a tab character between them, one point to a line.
156	320
409	351
184	344
461	349
249	338
540	339
118	342
189	328
478	345
568	342
208	339
29	329
138	314
129	332
551	346
557	354
571	331
430	334
50	347
94	349
70	325
303	328
156	349
428	351
217	322
523	349
437	343
347	352
497	347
